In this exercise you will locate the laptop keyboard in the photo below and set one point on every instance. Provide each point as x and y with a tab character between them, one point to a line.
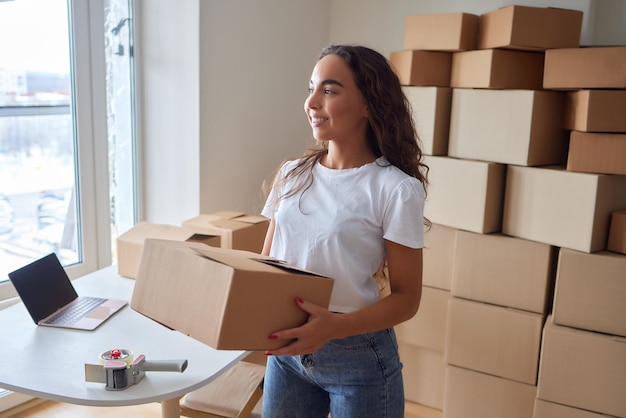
75	311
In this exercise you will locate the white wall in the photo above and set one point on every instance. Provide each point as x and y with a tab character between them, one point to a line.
167	53
224	84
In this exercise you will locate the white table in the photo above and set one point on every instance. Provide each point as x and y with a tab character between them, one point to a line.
49	362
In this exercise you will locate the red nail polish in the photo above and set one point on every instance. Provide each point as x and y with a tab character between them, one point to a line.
273	336
299	299
267	353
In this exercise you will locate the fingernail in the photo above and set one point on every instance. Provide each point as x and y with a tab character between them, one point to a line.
299	299
267	353
273	336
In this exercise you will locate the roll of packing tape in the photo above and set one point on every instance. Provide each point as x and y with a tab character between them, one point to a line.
119	354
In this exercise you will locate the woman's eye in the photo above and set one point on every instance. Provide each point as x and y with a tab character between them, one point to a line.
310	91
328	91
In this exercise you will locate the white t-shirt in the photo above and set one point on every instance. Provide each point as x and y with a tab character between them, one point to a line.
338	225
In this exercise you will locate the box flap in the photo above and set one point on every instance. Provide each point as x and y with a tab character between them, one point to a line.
144	230
251	219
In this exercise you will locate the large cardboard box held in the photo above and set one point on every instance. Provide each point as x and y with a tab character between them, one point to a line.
595	110
431	116
521	127
561	208
504	271
441	31
424	374
237	230
590	291
583	369
545	409
465	194
597	153
585	68
530	28
617	232
470	394
130	243
228	299
438	254
497	69
491	339
427	328
422	68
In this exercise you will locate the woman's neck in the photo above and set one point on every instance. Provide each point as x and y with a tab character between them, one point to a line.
341	158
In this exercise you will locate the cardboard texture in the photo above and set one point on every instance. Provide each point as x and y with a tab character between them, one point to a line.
520	127
595	110
441	32
470	394
438	256
597	153
228	299
130	243
503	270
431	115
237	230
617	232
478	185
491	339
497	69
593	366
590	291
424	373
427	328
585	68
530	28
561	208
545	409
422	68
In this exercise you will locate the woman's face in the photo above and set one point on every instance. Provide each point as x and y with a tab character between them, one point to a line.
335	107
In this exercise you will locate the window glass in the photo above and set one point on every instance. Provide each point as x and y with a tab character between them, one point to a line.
38	205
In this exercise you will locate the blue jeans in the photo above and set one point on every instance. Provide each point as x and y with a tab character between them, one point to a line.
355	377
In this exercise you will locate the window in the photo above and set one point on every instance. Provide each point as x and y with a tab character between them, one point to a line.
67	142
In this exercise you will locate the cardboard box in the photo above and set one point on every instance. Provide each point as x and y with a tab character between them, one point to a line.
441	32
491	339
545	409
470	394
590	291
504	271
431	115
561	208
617	232
238	230
583	369
521	127
530	28
422	68
427	328
585	68
228	299
597	153
130	243
497	69
465	194
595	110
438	256
424	374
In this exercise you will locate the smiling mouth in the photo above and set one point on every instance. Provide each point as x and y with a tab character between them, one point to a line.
318	120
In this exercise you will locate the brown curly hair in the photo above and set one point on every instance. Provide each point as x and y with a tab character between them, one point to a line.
391	131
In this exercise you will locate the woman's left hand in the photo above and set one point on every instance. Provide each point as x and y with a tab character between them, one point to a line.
308	338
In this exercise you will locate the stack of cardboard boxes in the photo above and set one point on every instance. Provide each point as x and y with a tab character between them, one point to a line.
527	186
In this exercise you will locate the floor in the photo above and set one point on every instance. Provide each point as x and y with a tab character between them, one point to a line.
49	409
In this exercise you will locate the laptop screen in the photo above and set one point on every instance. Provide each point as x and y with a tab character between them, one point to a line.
43	286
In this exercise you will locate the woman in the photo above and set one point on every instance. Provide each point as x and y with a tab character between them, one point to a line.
342	210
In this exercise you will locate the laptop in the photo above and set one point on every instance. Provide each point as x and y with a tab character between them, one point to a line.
51	300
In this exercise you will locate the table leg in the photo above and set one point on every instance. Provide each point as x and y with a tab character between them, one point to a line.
170	408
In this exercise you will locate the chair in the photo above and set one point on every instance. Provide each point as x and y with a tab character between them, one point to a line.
235	394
